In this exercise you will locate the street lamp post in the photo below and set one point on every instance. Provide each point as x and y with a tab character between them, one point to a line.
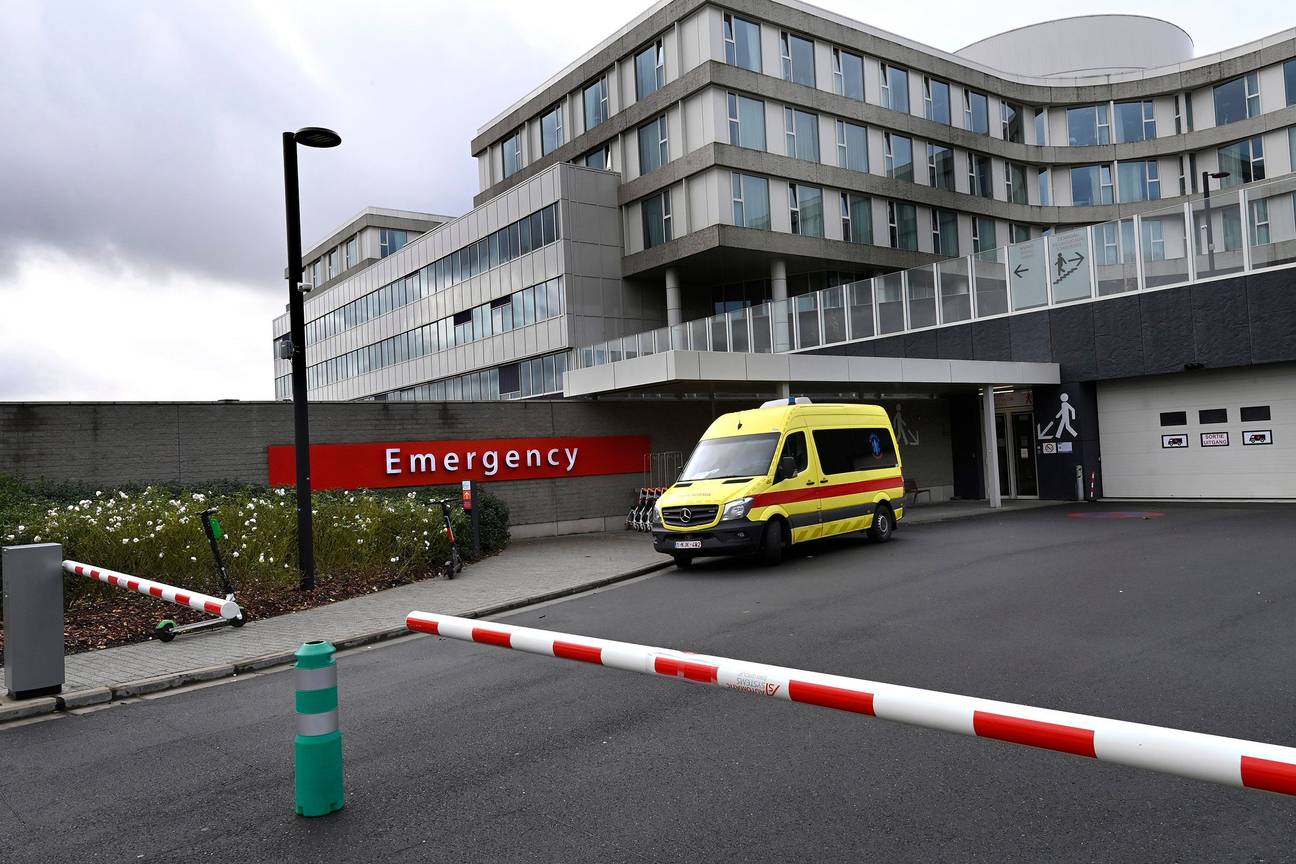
311	136
1210	229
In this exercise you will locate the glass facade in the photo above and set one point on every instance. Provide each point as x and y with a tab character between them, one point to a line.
746	121
902	225
391	240
1244	162
520	309
980	180
742	43
1015	182
945	232
499	247
1013	128
511	154
538	376
983	234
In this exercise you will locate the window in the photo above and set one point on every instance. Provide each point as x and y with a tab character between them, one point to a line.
1244	160
512	154
1015	182
1153	240
980	181
1255	414
857	218
653	145
976	112
350	257
1237	99
983	234
1289	83
596	103
1018	233
746	122
852	146
797	54
657	219
802	131
848	74
940	167
1138	181
944	232
1088	126
332	263
750	201
805	205
1208	416
1041	126
936	100
391	240
895	88
650	70
1135	121
1259	222
1091	185
1174	418
1045	187
902	225
742	43
899	156
842	451
795	446
551	130
599	157
1012	123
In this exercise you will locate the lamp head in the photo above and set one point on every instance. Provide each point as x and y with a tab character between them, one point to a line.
317	136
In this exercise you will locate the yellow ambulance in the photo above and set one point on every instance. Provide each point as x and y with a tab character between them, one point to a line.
789	471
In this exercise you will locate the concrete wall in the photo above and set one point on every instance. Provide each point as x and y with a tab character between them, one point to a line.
112	442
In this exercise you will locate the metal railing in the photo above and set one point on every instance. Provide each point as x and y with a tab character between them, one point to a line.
1243	229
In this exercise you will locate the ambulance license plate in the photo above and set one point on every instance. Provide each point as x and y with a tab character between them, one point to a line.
688	544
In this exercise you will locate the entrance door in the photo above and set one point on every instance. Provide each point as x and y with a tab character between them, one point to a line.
1015	440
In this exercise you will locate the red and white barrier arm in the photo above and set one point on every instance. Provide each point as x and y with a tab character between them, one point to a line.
202	602
1188	754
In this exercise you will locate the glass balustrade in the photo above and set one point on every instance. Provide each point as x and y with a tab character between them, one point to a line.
1243	229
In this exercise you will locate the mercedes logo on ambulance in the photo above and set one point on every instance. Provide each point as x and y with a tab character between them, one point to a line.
686	515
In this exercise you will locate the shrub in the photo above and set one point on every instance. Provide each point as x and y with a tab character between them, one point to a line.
154	532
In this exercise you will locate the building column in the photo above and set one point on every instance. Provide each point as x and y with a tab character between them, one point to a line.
674	307
782	337
990	452
778	279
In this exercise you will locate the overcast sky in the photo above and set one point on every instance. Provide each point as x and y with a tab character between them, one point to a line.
141	185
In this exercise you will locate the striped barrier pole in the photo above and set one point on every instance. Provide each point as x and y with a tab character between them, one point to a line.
317	749
1230	761
227	609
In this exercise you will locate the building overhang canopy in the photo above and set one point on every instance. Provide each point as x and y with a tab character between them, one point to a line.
706	370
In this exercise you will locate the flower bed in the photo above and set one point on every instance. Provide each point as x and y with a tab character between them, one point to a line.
363	541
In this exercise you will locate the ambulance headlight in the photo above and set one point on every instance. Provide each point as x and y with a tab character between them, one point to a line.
737	509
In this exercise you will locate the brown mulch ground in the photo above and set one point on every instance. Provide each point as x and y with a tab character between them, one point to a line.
118	617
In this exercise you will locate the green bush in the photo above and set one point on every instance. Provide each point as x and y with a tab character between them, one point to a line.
153	531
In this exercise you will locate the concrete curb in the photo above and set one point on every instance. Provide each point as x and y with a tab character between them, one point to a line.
13	710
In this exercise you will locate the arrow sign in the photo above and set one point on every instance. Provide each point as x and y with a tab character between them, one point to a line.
1019	270
1077	259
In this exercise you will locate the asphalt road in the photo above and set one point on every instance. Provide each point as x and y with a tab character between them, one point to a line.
459	752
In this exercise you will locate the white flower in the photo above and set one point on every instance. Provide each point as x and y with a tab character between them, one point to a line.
235	553
53	511
281	493
159	554
97	493
122	495
22	528
125	541
192	558
36	539
394	560
198	496
360	540
9	536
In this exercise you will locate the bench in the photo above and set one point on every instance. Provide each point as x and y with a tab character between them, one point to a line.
911	489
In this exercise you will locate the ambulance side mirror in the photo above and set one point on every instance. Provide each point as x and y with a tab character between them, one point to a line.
786	469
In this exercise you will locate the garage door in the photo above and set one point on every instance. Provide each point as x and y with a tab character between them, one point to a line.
1227	433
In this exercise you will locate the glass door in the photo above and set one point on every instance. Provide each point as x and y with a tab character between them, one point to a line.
1024	455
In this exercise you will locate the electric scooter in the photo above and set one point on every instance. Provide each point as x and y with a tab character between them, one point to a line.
166	629
454	563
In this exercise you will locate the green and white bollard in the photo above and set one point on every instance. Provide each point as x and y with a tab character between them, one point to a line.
319	741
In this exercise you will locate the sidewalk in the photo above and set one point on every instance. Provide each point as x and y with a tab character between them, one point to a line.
528	571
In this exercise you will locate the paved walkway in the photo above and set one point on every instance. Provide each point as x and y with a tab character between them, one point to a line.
527	571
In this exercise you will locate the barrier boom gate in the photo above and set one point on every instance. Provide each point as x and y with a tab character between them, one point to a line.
227	609
1230	761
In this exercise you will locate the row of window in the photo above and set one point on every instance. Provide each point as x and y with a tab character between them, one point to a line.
528	306
499	247
1210	416
535	377
336	261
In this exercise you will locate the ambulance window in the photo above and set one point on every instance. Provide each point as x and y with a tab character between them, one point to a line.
842	451
795	446
1255	414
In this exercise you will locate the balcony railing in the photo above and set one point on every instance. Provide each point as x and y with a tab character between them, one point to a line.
1244	229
